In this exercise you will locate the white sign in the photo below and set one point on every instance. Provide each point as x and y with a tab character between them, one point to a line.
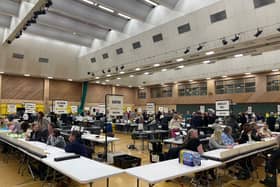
278	109
139	109
222	105
160	109
250	110
60	107
30	108
11	109
222	113
150	107
202	108
74	109
114	105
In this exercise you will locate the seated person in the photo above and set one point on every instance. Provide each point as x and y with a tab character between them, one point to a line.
216	142
76	146
245	134
55	139
175	125
255	135
37	134
227	136
192	142
265	132
271	165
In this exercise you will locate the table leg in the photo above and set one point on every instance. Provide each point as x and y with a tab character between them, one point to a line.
91	184
151	185
108	182
137	182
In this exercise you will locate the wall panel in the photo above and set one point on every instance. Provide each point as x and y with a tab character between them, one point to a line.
96	93
22	88
64	90
128	93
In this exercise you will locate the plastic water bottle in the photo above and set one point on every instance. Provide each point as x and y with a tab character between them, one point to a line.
196	159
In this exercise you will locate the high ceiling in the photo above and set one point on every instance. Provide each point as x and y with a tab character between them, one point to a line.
82	21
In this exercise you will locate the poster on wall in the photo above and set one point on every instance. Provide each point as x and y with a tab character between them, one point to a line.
11	108
74	109
30	108
222	108
60	107
202	108
150	108
114	105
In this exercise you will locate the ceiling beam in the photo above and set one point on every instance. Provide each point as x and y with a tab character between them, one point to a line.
26	12
9	8
45	31
72	26
92	14
132	8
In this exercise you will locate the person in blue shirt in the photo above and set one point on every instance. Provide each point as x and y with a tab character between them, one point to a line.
75	145
227	138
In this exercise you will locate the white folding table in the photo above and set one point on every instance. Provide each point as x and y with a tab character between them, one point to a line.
167	170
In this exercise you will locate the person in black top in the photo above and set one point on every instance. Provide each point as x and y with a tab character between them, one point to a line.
76	145
196	120
271	121
37	134
255	134
192	142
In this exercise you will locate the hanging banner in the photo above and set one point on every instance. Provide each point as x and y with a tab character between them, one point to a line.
11	108
150	108
114	105
30	108
74	109
202	108
60	107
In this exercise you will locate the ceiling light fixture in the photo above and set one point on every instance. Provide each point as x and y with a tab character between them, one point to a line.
108	75
182	66
208	78
137	69
163	70
278	29
107	80
27	75
103	71
236	38
179	60
210	53
122	72
131	76
156	65
117	84
274	70
258	33
124	16
206	62
2	72
224	76
129	86
146	73
106	8
187	51
119	78
97	77
97	82
248	73
200	47
224	41
238	55
151	2
50	77
89	2
69	79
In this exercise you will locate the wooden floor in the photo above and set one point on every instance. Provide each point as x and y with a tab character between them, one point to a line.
10	178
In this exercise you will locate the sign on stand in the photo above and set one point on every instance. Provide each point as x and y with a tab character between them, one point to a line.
223	108
60	107
30	108
74	109
150	108
114	105
202	108
11	108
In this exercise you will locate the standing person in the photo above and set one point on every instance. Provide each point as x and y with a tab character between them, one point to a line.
196	120
271	121
42	121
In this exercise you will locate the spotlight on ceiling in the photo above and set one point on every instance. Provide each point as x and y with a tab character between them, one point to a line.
122	67
9	42
109	70
187	51
103	71
258	33
236	37
88	73
199	47
49	3
278	29
92	74
117	69
24	27
224	41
